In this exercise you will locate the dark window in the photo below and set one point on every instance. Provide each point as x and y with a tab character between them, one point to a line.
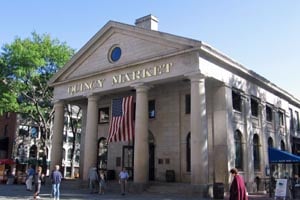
256	156
292	127
160	161
281	118
236	101
238	150
282	145
270	142
298	122
187	104
269	113
103	115
254	107
188	152
151	105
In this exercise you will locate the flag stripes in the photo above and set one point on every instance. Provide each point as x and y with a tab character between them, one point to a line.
121	126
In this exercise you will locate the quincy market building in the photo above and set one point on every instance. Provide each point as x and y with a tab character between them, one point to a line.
198	113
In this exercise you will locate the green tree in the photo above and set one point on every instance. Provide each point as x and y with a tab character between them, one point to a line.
27	66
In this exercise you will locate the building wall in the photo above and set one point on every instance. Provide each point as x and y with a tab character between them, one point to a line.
8	130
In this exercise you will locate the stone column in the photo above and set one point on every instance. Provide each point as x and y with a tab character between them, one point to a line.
57	138
141	146
199	131
91	136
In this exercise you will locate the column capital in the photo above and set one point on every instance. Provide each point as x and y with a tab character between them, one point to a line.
141	87
92	97
195	76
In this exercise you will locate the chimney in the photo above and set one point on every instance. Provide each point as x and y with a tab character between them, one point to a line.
149	22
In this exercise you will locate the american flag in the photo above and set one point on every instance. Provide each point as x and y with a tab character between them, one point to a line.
121	126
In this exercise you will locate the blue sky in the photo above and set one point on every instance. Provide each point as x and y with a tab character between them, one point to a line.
264	36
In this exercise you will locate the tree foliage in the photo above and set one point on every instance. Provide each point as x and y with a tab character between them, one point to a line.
26	66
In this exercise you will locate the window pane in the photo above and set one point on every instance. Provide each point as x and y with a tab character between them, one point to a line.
256	156
254	107
151	109
238	150
236	101
269	113
187	104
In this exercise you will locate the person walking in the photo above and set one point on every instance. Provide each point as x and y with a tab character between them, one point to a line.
29	178
237	188
38	177
123	177
101	182
56	178
93	179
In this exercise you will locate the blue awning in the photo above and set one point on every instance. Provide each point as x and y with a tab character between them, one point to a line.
278	156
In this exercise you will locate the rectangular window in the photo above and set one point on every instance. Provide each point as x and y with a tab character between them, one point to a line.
236	101
269	113
187	104
297	118
151	105
292	127
103	115
281	118
254	107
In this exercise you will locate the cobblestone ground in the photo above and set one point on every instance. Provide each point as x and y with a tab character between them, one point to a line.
68	191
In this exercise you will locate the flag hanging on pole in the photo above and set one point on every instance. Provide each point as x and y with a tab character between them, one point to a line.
121	125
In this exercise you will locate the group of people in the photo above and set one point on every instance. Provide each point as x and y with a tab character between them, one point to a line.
98	180
38	177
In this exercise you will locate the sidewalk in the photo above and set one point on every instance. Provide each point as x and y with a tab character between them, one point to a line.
72	191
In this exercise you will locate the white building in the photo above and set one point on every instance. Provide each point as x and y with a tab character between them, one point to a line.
198	112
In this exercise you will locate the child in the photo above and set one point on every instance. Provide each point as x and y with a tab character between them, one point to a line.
101	183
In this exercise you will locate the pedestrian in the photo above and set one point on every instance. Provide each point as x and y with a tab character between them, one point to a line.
56	178
93	179
237	189
102	184
38	177
29	178
123	177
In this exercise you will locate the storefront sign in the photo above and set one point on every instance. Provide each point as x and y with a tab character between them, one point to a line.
121	78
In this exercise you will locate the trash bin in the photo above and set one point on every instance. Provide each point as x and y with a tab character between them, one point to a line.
218	190
170	175
110	175
297	191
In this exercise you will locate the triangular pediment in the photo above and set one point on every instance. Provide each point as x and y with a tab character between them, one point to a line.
137	45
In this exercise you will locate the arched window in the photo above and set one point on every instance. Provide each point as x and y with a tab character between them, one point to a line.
188	152
238	149
256	156
102	154
282	145
270	142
